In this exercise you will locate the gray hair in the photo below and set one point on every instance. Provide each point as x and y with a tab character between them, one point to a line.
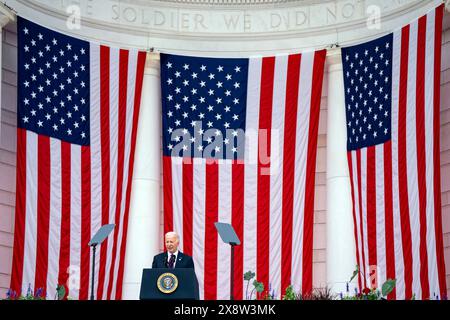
172	233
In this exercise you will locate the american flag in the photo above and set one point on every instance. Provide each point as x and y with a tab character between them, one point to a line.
392	95
78	104
239	146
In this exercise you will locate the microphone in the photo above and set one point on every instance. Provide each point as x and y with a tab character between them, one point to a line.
166	261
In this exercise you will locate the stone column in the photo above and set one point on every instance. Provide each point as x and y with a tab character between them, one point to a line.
341	259
6	15
144	220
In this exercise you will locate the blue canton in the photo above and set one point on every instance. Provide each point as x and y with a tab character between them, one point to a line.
53	83
368	87
203	106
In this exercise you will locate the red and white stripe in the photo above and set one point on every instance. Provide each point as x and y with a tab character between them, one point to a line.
396	186
269	198
66	192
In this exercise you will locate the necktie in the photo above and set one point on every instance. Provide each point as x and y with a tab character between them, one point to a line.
171	261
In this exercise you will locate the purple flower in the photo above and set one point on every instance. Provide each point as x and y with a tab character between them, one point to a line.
38	292
273	294
13	294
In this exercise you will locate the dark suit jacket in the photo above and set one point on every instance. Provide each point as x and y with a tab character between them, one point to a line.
183	261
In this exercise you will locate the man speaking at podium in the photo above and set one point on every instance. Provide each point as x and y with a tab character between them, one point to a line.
172	258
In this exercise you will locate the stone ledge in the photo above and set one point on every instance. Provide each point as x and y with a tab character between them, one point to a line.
321	179
445	182
447	242
9	57
166	26
448	284
6	218
9	102
8	198
319	255
320	192
321	160
234	3
7	157
319	274
9	77
445	198
445	115
445	76
445	157
320	216
6	239
4	281
11	38
8	174
6	261
322	141
319	236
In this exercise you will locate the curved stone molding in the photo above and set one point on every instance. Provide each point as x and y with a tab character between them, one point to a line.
6	15
234	3
238	27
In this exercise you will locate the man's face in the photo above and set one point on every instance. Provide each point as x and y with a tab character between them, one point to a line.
172	243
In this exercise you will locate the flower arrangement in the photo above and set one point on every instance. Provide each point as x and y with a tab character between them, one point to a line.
290	294
36	295
318	293
370	293
30	295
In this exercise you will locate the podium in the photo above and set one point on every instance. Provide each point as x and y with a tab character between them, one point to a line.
162	283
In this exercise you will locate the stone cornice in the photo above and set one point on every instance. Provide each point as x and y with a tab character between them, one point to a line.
6	15
234	3
216	26
284	17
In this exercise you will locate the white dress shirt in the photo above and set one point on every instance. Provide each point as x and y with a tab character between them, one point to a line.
169	255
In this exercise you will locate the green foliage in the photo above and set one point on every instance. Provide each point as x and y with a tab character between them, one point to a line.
315	294
355	273
36	295
290	294
320	293
30	295
388	286
372	294
249	275
267	296
257	286
60	292
369	294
